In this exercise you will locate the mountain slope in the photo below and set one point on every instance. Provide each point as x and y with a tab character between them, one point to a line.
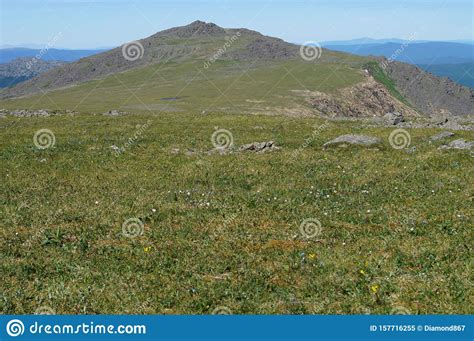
203	67
429	93
195	41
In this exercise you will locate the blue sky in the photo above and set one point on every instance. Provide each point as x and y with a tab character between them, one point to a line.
99	23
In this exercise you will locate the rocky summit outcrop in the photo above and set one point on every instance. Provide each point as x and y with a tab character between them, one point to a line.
195	29
266	48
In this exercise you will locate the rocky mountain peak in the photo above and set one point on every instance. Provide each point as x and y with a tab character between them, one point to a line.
195	29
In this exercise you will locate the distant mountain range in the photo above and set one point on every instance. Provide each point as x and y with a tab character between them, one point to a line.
22	69
9	54
366	41
18	64
445	59
414	53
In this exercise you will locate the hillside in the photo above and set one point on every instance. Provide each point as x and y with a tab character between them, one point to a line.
427	91
202	67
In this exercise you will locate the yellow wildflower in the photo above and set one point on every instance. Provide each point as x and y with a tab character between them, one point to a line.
362	272
312	256
147	248
374	288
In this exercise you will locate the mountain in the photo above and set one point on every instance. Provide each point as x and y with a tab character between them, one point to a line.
453	58
9	54
372	41
206	68
21	69
414	53
364	41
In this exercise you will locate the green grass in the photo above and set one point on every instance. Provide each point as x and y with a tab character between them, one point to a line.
380	76
395	226
226	86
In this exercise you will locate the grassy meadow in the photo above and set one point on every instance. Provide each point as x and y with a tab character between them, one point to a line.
225	86
223	231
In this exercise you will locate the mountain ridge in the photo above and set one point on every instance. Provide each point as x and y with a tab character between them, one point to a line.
176	59
156	47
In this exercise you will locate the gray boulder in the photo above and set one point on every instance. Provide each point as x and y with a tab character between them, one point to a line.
357	140
259	147
114	113
394	118
449	123
458	144
441	135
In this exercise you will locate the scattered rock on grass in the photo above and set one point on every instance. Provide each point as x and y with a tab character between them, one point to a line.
458	144
30	113
114	113
259	147
441	135
358	140
256	147
35	113
449	123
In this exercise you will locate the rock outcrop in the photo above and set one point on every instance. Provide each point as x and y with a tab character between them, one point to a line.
355	140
